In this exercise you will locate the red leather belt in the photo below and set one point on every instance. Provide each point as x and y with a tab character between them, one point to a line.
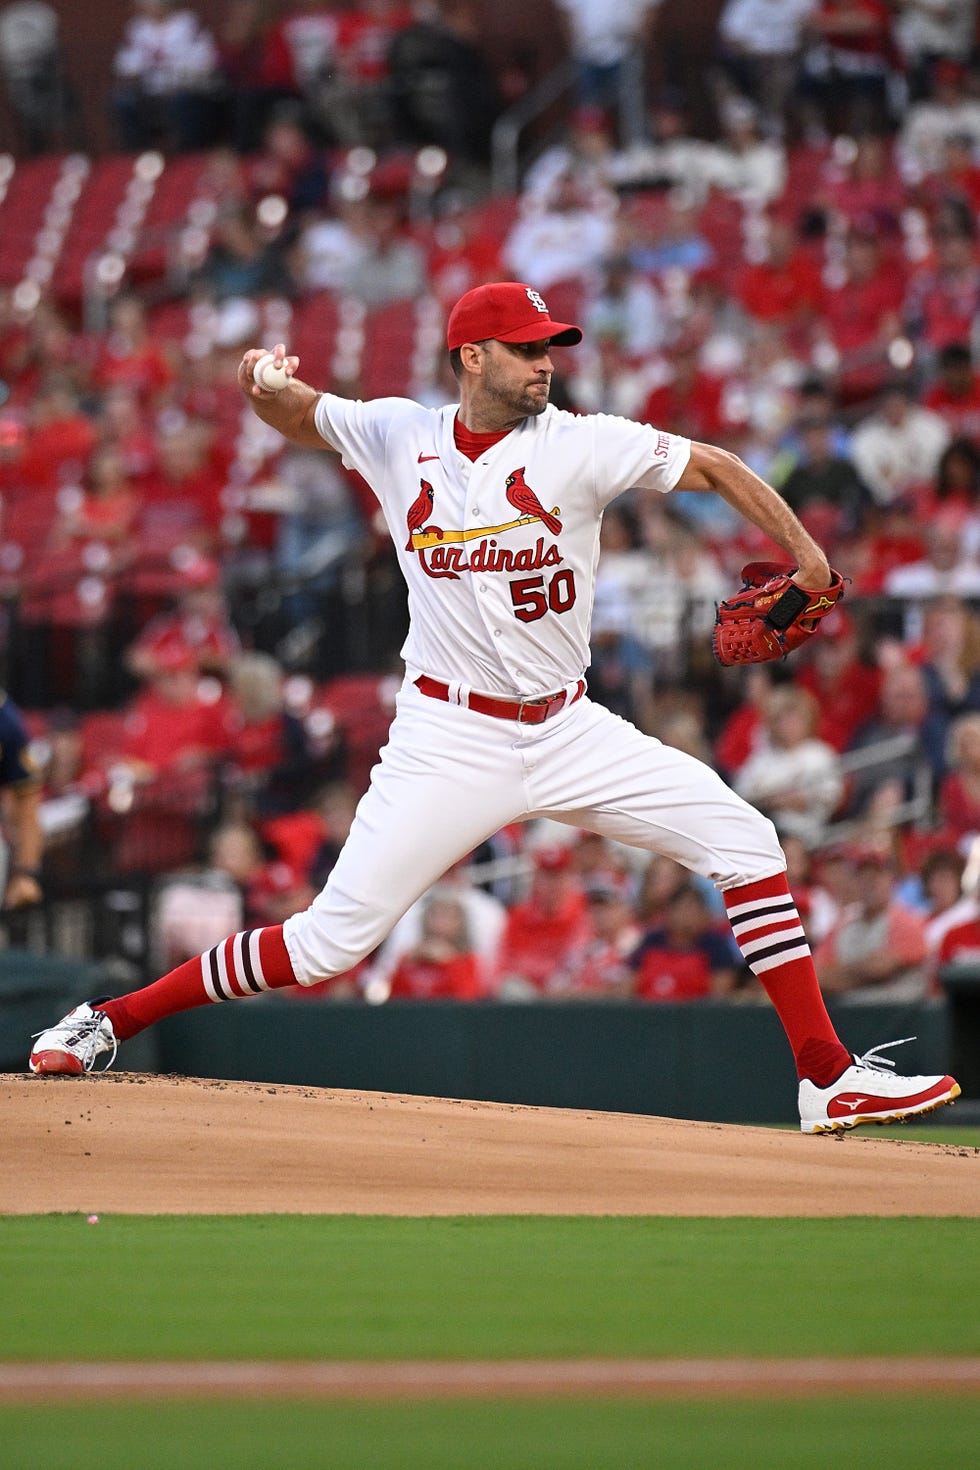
524	711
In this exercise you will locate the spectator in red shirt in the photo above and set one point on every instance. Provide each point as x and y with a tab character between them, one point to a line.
958	174
464	251
122	421
103	508
954	498
861	312
300	48
273	769
60	437
961	946
598	965
785	286
543	928
690	401
955	391
175	723
198	627
45	347
365	35
949	905
845	688
943	298
894	538
865	189
743	731
443	965
130	354
182	500
687	958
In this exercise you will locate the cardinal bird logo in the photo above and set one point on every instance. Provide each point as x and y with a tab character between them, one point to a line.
523	498
419	512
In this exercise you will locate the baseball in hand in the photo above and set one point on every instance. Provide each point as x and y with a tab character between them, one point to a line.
267	375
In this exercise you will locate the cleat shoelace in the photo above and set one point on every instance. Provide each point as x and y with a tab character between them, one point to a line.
875	1061
84	1034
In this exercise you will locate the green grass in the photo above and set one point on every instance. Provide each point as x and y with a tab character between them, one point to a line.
369	1287
900	1433
966	1137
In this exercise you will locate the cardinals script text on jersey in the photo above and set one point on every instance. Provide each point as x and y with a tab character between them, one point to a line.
499	554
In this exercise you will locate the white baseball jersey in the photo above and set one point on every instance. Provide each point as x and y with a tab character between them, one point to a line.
499	555
500	558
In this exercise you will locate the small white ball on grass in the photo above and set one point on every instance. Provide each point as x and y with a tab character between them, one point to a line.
268	375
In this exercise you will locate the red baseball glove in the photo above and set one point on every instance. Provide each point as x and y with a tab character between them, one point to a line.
771	615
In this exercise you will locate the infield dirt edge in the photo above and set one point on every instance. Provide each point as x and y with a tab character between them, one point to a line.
131	1143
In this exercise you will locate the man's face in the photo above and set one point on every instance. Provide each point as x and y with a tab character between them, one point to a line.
517	377
876	885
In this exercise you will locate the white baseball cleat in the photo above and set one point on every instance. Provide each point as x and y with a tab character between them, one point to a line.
71	1047
868	1092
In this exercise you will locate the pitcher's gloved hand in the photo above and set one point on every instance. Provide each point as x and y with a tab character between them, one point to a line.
771	615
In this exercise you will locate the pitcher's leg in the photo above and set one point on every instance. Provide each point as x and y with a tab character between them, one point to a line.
610	778
652	796
444	783
426	809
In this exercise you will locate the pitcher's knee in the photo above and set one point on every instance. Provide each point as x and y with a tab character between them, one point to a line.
757	855
324	945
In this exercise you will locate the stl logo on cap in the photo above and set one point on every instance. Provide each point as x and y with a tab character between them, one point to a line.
506	311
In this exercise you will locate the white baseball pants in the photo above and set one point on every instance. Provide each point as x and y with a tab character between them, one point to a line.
448	778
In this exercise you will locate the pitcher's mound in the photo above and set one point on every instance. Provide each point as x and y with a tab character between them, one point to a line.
142	1144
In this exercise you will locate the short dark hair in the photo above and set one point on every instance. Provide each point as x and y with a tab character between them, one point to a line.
456	357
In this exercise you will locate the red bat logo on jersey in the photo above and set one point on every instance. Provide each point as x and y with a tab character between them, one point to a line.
523	498
419	512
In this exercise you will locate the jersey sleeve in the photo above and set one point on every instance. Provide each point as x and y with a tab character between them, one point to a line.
629	454
361	431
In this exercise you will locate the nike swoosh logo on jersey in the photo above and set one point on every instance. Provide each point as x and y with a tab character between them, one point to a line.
424	457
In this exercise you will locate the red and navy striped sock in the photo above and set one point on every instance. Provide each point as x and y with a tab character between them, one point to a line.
770	934
246	964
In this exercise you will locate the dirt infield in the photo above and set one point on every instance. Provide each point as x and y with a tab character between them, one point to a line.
141	1144
564	1378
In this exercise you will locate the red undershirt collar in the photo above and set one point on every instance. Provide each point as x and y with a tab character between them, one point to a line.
472	444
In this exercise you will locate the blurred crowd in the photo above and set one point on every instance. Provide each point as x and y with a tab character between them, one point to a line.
188	603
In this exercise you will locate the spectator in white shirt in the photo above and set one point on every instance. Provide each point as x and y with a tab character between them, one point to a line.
607	40
761	42
794	777
946	567
563	241
897	448
166	89
747	165
948	111
927	31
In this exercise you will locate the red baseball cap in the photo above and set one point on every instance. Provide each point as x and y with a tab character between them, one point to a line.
506	311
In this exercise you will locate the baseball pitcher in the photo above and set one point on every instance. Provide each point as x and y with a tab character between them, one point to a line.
494	506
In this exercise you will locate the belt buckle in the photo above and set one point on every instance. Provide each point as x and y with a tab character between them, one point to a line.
546	703
534	704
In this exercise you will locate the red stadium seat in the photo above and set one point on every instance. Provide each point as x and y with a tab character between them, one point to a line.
22	209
